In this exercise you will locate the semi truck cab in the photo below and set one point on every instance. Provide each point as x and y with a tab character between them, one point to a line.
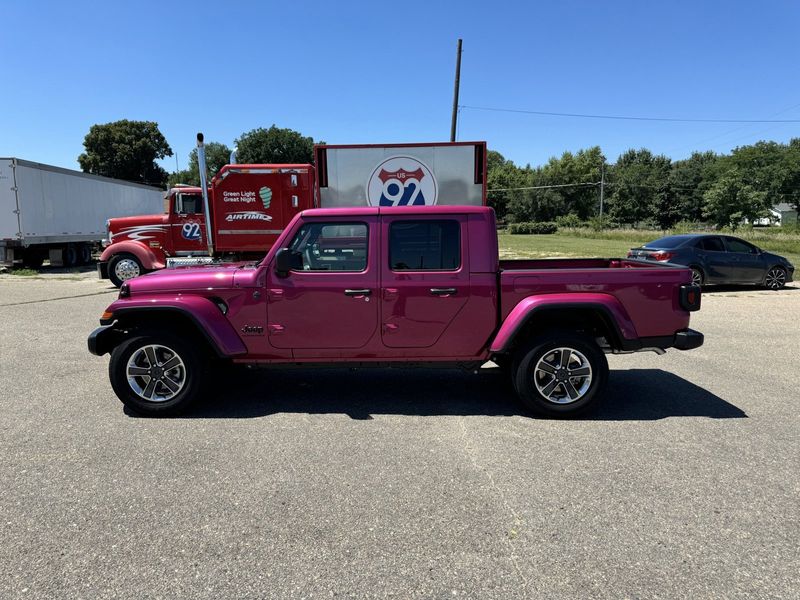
250	206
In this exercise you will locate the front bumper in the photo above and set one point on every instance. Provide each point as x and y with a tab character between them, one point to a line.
102	270
102	340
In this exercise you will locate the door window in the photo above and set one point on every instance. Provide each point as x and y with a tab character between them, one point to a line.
189	204
425	245
712	245
740	246
335	246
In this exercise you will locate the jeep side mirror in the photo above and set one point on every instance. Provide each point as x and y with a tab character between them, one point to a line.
287	260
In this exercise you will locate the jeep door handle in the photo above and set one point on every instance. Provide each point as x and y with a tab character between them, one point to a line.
357	292
443	291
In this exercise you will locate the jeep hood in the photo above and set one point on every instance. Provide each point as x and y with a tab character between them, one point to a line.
186	279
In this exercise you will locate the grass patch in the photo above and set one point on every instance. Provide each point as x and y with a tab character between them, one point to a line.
24	272
615	243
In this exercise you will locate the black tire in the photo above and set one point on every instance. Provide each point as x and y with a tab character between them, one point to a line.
84	254
32	259
775	279
70	255
532	384
698	277
189	376
124	264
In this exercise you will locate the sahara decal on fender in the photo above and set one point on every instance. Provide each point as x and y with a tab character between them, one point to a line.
247	215
401	181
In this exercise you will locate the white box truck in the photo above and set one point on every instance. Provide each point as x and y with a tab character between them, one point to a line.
47	212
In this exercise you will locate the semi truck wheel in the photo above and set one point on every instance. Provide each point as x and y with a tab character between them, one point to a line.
157	374
124	266
32	259
70	254
562	374
84	254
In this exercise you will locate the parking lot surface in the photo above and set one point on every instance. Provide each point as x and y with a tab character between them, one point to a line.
401	483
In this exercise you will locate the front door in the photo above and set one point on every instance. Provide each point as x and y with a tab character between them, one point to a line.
329	300
188	226
745	265
424	278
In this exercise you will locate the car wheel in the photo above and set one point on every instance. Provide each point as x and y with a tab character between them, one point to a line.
157	374
697	276
561	375
775	279
122	267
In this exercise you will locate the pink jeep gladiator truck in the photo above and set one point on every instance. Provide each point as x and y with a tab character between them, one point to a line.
396	286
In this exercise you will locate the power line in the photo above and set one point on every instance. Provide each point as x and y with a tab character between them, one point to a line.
625	117
545	187
625	184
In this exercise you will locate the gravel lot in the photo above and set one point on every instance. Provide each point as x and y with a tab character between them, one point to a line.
407	484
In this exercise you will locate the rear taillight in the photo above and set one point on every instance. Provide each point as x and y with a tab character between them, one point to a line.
690	297
661	255
630	253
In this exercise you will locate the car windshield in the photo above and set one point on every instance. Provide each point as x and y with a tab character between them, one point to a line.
671	241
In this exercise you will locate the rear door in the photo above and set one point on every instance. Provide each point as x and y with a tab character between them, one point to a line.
424	277
9	215
714	258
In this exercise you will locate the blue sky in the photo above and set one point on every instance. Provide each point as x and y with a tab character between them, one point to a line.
352	72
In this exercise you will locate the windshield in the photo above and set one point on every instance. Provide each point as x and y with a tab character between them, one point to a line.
671	241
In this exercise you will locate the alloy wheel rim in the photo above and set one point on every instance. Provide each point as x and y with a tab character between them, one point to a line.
563	375
697	278
155	373
126	269
776	279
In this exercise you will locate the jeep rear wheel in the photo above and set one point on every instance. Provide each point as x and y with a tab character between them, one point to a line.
157	374
560	375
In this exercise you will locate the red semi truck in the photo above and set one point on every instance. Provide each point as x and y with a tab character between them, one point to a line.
250	205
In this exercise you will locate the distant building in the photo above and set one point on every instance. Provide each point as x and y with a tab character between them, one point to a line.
786	215
780	214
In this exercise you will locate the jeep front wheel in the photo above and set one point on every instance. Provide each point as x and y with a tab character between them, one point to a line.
157	374
560	375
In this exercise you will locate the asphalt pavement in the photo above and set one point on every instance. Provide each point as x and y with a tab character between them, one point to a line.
401	483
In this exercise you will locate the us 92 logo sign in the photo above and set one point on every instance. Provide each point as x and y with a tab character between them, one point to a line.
401	181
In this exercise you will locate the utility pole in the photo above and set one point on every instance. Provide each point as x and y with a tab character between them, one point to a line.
455	93
602	184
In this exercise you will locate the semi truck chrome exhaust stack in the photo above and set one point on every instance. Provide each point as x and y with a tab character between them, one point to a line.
201	163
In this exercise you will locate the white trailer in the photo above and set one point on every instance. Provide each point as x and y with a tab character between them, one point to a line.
449	173
61	214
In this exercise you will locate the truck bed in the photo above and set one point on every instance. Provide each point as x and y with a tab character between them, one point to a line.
574	263
648	292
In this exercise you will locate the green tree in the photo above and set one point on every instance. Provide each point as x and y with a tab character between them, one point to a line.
274	145
126	150
582	172
689	180
640	184
501	177
730	201
217	156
